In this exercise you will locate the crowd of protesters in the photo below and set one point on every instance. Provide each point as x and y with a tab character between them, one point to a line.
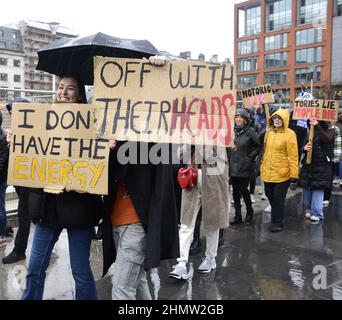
146	218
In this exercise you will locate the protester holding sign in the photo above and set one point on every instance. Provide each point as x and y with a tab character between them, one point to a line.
140	217
279	164
76	212
241	164
316	176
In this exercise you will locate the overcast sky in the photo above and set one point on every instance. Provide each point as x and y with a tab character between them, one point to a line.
205	26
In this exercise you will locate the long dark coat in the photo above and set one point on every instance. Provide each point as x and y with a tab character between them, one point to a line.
153	195
317	175
66	210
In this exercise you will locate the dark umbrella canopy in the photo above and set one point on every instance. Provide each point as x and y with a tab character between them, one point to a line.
74	57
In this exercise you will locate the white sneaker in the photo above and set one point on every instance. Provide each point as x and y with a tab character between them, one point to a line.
179	272
2	242
326	203
314	218
252	198
232	201
307	214
268	209
336	181
207	265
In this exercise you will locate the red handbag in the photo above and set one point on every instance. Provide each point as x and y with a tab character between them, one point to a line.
187	177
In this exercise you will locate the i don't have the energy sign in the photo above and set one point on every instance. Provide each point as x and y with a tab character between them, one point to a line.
52	147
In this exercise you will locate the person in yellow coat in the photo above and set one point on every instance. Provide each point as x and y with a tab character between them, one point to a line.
279	165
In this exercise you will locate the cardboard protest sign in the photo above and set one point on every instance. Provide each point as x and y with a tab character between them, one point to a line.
182	102
52	147
324	110
257	95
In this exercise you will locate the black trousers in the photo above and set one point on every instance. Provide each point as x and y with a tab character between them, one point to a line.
276	194
240	188
20	242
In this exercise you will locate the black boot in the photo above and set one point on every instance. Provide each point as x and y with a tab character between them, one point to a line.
238	218
249	215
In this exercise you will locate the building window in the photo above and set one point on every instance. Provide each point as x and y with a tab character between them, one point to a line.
3	95
3	76
253	20
247	64
308	36
1	33
276	42
306	74
3	61
249	21
16	78
276	78
278	15
249	46
14	35
17	93
15	46
247	81
310	55
16	63
339	7
276	60
2	45
310	11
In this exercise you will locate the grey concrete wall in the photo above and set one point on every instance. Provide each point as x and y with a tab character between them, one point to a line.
337	52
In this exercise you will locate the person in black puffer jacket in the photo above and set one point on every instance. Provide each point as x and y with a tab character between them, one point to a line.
241	163
3	185
316	176
76	212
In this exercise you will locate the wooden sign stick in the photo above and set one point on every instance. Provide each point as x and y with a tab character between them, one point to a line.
267	111
311	135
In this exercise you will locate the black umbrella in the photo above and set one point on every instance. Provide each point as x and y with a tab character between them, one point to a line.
74	57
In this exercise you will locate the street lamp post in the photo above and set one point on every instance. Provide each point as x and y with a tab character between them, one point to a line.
312	69
53	27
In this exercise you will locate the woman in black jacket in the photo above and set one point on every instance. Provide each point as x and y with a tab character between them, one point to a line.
316	176
242	164
76	212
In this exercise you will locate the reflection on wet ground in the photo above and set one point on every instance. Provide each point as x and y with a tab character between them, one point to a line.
252	264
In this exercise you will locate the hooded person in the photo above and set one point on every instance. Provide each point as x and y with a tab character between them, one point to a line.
242	163
279	164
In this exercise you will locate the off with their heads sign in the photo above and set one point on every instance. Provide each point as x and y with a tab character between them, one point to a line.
257	96
324	110
52	147
180	102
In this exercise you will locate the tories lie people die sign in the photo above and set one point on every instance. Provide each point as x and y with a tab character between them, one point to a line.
52	147
257	95
180	102
324	110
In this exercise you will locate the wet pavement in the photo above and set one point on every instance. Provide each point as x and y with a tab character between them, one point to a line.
253	263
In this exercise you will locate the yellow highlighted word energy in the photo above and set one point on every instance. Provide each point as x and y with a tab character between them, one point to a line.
63	172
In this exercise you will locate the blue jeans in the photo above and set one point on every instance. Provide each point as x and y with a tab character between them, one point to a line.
79	250
313	201
3	213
